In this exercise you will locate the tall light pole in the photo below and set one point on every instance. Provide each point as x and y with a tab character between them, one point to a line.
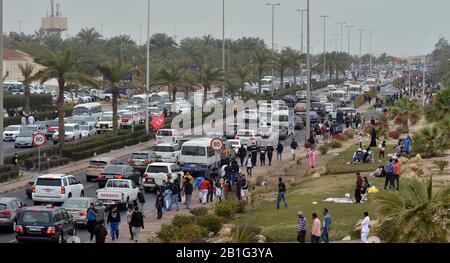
342	35
336	35
273	38
147	79
360	47
301	28
140	35
1	80
308	86
370	49
324	42
349	34
423	82
20	24
223	56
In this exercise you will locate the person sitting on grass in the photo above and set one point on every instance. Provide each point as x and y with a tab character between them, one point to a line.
357	156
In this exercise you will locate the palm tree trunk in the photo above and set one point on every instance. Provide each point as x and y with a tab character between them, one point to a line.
259	81
26	92
115	95
174	94
60	107
282	76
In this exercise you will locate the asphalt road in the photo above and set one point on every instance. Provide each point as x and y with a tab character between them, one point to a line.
8	148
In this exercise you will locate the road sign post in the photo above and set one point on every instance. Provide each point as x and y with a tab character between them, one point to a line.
291	121
217	144
39	140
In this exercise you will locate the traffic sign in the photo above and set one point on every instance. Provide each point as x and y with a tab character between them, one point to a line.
39	139
217	144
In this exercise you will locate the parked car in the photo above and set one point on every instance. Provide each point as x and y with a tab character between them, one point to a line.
184	139
105	123
97	164
44	224
235	144
77	208
87	130
118	192
265	131
129	119
140	160
51	128
231	130
247	137
299	122
24	139
300	95
290	100
156	173
9	209
11	132
168	136
283	132
169	152
72	132
56	188
118	171
35	128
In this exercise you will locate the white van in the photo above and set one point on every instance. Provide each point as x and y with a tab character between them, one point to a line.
88	109
280	118
197	157
168	136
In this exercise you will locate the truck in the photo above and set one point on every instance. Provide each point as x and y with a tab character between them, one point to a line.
101	95
118	192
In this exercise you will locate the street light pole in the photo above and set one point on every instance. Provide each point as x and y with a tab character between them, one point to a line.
349	27
342	35
370	52
308	87
223	57
324	42
360	47
273	39
336	35
1	80
147	79
301	30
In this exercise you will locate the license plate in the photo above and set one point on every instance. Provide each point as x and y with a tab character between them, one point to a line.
35	229
192	165
48	190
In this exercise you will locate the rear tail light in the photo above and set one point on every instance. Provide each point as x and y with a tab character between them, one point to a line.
145	175
100	176
118	177
83	214
63	190
130	161
237	137
33	189
51	231
204	165
226	152
147	161
19	229
252	138
5	212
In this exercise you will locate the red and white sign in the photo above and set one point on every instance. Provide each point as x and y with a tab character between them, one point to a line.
217	144
39	139
158	122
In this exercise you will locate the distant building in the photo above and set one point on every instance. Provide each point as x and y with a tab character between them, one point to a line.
11	61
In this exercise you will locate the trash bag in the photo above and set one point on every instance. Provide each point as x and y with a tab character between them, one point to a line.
373	190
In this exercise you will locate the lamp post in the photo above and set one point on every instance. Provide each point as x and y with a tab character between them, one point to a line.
324	42
342	35
360	47
273	38
370	49
348	27
147	79
336	35
301	30
1	80
223	55
308	62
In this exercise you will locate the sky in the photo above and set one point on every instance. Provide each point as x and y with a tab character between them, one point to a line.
402	27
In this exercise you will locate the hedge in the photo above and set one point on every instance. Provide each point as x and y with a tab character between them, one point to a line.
33	162
7	172
37	101
40	116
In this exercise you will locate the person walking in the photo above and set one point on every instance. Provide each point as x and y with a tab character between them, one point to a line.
31	120
23	120
210	190
270	151
294	148
91	216
187	190
315	229
244	188
326	226
358	186
130	228
249	166
365	227
382	149
141	199
114	221
137	223
175	190
204	188
218	192
281	193
301	227
396	177
159	203
242	152
15	161
312	157
407	145
389	174
280	149
101	234
262	156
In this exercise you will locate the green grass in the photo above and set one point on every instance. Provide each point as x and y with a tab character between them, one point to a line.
338	165
281	225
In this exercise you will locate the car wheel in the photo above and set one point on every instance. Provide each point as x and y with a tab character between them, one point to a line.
61	238
82	193
107	98
70	195
15	146
36	203
13	226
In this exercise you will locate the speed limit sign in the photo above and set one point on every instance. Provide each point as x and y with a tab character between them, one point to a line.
39	139
217	144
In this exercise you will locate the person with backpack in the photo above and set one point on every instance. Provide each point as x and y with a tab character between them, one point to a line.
187	191
279	149
137	223
159	204
141	199
281	193
114	221
100	232
91	216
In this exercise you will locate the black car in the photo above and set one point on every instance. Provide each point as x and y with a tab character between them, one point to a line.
318	107
118	172
44	224
290	100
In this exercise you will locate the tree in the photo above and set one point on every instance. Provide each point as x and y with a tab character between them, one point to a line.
407	110
162	45
173	78
285	60
442	50
61	66
88	36
261	61
414	214
27	72
208	76
114	72
242	75
444	125
430	142
440	108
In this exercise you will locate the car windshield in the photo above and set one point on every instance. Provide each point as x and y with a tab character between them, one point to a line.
157	169
84	127
31	128
53	124
193	150
127	115
69	128
97	163
48	182
81	111
233	143
245	134
12	128
2	206
139	156
25	134
106	118
281	117
72	203
113	169
117	184
162	148
164	133
32	217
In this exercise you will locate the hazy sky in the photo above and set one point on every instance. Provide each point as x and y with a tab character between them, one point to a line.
402	27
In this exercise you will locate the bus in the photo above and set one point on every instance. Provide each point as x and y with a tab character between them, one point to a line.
14	87
354	91
198	158
339	95
93	109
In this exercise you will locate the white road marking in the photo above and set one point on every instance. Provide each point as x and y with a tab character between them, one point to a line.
12	241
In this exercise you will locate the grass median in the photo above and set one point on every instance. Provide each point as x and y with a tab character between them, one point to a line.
340	164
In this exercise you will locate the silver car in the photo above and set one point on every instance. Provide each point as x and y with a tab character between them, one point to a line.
24	139
9	207
77	207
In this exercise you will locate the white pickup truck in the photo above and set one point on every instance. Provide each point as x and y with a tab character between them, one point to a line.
118	192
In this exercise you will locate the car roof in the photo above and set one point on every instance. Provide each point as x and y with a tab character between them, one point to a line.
166	144
81	198
7	199
41	208
54	176
103	159
160	164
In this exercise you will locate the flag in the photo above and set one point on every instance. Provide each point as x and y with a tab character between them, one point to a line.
158	122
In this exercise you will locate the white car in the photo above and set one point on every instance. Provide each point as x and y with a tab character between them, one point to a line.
329	107
168	136
87	130
169	152
55	188
118	192
235	144
11	132
156	173
72	132
247	137
130	118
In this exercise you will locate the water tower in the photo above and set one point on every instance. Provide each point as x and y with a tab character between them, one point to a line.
55	22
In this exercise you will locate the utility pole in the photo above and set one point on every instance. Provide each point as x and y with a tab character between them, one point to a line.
273	39
1	81
342	35
20	24
324	42
423	82
308	87
301	28
370	52
349	34
360	48
336	35
223	59
140	35
147	79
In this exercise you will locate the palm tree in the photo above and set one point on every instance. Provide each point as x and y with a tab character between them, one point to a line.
88	36
414	214
162	44
444	125
61	66
26	72
173	78
431	142
242	74
114	72
208	76
285	60
440	107
261	60
408	111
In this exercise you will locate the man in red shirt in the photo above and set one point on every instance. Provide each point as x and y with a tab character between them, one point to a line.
204	188
397	172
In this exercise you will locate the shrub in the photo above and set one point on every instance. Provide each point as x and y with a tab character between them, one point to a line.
394	135
240	235
167	233
430	142
259	180
441	164
323	149
349	133
307	145
181	220
199	211
398	120
359	101
211	222
340	137
225	209
335	144
240	207
191	234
